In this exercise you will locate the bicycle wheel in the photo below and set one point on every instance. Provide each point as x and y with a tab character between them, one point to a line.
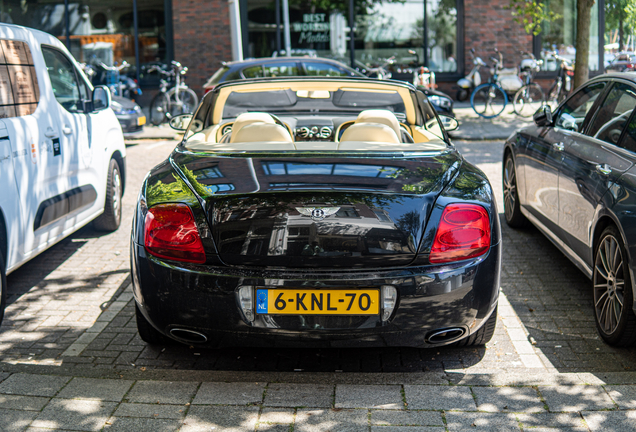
488	100
554	95
159	107
186	103
528	100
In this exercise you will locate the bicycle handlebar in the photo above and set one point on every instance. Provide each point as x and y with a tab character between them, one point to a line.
124	65
175	68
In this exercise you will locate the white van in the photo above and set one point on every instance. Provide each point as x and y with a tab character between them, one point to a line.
62	152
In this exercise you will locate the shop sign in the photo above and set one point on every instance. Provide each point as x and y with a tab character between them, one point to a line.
314	28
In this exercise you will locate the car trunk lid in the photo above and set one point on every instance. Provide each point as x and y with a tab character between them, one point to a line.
351	212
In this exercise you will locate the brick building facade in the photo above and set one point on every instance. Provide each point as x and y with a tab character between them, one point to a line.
202	37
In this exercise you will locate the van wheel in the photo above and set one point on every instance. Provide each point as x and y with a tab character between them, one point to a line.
3	288
111	218
148	333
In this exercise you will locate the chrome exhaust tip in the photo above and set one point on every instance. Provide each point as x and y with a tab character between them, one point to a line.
445	335
188	336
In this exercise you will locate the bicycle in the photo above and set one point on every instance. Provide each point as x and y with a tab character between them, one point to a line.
562	84
171	101
489	100
530	97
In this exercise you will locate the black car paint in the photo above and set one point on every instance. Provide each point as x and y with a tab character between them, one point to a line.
235	69
203	297
592	201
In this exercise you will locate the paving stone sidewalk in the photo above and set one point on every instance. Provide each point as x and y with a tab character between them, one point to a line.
37	402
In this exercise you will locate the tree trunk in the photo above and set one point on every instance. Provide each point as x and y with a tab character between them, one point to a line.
583	17
621	45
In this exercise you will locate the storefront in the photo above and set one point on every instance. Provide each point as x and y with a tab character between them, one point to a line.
384	33
101	31
397	35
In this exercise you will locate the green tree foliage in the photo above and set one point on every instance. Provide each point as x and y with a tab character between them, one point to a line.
616	14
531	14
630	20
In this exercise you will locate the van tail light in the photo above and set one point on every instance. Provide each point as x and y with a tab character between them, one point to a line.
170	232
463	232
208	89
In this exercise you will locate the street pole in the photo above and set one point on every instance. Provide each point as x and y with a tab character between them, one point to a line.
425	36
352	54
235	29
286	28
67	26
136	30
277	6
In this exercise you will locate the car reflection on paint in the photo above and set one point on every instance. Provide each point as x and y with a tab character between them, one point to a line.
315	212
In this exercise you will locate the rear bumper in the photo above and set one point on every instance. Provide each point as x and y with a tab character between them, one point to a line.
204	299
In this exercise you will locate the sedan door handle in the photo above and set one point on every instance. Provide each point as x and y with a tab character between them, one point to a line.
604	169
67	130
558	146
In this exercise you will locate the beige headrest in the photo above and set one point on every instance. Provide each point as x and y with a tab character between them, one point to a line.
261	132
384	117
370	132
249	118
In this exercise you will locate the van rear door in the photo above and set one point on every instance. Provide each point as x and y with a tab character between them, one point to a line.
9	199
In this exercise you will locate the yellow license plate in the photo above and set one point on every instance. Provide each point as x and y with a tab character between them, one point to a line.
317	302
141	121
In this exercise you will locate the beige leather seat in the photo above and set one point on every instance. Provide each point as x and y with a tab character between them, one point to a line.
384	117
261	132
246	119
370	132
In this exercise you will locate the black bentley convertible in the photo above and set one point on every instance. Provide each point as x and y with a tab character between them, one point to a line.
316	212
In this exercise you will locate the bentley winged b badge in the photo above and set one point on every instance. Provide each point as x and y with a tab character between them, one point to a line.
317	213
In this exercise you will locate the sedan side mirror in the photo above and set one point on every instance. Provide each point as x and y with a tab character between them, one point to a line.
101	98
543	116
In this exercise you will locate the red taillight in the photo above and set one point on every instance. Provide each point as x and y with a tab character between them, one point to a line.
463	232
208	89
171	232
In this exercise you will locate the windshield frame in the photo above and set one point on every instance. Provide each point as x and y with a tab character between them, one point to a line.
417	107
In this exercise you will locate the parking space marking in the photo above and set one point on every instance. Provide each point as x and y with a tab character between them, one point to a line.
100	324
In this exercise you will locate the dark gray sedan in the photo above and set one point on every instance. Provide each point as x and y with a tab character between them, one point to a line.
572	175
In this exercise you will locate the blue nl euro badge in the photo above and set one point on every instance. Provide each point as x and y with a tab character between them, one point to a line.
261	301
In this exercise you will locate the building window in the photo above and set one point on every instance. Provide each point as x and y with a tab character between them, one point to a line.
559	35
99	32
347	212
384	35
394	29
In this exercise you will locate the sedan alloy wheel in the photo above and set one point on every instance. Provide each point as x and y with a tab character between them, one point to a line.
612	291
512	209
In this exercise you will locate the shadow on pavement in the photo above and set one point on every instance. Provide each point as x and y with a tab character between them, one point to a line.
553	300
